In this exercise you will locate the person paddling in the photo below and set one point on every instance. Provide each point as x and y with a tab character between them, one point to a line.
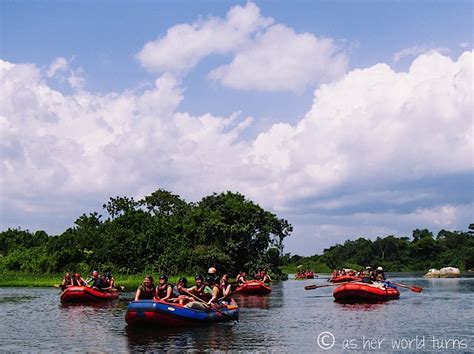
146	291
96	281
215	288
179	292
201	290
226	288
241	278
78	281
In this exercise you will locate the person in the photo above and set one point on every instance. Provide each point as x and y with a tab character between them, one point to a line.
180	292
226	288
67	281
241	278
379	274
78	281
96	281
164	291
212	272
216	291
109	281
201	290
146	291
264	277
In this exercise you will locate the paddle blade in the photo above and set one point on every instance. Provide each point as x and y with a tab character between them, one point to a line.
311	287
416	289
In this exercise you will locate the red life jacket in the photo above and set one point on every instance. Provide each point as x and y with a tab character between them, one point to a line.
201	294
76	282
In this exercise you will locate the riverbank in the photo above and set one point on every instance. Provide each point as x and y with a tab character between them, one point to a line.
17	279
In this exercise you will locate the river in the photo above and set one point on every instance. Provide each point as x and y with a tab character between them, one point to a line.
290	319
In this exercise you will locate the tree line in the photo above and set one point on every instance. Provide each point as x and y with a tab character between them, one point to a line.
397	254
159	233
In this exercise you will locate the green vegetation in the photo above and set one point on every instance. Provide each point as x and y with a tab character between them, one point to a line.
161	233
422	252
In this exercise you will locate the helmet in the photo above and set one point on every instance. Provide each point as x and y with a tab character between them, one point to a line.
164	276
380	268
95	273
199	277
183	280
212	270
368	267
77	275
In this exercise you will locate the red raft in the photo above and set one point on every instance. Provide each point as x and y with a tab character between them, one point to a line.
357	292
82	294
253	287
344	278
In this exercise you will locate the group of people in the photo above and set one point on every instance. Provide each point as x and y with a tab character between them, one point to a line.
262	276
369	273
207	291
104	282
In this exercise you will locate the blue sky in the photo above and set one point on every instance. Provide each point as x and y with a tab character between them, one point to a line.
347	118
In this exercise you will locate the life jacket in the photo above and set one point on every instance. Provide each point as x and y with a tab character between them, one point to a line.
76	282
146	293
201	294
106	282
67	281
161	291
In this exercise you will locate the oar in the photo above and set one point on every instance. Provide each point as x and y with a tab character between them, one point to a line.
415	289
312	287
207	305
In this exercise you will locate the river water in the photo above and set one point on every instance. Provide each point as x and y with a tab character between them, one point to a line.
290	319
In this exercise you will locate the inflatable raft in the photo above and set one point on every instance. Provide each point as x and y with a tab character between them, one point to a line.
253	287
344	278
165	314
365	293
85	294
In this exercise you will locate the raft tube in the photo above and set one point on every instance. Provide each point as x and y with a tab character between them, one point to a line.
344	278
84	294
357	292
166	314
253	287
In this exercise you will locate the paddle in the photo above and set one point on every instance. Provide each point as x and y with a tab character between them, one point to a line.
415	289
312	287
207	305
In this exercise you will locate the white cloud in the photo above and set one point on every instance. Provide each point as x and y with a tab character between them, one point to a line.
369	131
185	45
59	64
266	56
416	51
280	59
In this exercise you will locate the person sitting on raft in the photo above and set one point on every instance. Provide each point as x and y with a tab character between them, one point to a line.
67	281
241	278
96	281
379	274
215	288
180	292
146	291
264	277
109	281
226	288
201	290
78	281
164	291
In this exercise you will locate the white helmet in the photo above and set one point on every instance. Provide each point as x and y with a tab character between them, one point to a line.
380	268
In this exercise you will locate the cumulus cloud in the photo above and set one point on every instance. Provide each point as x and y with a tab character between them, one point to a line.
59	64
185	45
366	136
280	59
266	56
416	51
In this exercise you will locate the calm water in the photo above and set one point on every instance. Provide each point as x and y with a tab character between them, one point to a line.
290	319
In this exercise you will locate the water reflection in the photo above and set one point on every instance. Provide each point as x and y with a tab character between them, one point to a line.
217	336
360	307
253	301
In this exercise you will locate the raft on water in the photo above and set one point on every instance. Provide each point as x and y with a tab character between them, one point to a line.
253	287
344	278
356	292
166	314
83	294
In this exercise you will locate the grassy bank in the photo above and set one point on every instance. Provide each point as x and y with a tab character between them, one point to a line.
18	279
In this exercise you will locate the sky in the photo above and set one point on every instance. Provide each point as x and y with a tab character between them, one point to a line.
347	118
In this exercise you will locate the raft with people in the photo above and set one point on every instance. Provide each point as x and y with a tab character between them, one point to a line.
344	278
84	294
253	287
358	292
166	314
